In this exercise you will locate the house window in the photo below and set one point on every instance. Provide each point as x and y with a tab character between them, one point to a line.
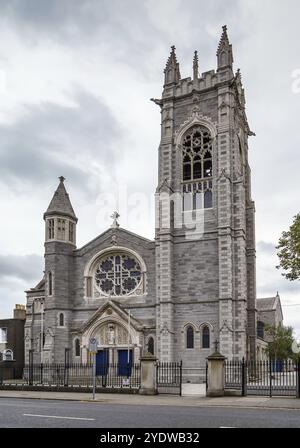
50	284
51	229
77	347
189	337
61	320
151	345
206	337
3	335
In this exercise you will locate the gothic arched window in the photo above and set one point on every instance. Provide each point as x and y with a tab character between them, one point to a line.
50	284
260	330
197	169
206	337
197	154
61	320
151	345
50	223
77	347
189	337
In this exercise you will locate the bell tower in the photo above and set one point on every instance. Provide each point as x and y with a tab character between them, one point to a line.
205	239
60	243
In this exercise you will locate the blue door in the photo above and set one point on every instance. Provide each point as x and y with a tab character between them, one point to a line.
124	368
102	362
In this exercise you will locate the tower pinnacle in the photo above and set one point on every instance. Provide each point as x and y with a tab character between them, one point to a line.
196	66
172	71
224	52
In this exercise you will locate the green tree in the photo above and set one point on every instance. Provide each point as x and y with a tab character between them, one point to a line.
289	251
281	342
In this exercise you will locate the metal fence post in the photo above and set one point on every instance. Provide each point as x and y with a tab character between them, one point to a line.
298	378
30	376
270	376
244	378
180	379
66	367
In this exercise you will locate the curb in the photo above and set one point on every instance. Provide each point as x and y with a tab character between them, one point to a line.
202	405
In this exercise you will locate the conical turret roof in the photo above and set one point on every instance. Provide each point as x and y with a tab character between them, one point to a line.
60	203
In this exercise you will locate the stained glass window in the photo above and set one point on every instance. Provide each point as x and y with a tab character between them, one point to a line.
118	274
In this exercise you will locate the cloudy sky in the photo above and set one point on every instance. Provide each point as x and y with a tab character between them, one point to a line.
76	77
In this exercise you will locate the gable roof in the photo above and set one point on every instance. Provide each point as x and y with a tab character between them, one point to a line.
267	304
114	231
135	323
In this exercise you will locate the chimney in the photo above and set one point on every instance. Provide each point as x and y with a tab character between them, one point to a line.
20	312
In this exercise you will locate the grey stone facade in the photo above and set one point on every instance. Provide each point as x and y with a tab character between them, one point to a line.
200	277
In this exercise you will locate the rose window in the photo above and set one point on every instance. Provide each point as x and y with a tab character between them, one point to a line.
118	275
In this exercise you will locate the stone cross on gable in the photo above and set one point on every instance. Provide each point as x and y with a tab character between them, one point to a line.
115	217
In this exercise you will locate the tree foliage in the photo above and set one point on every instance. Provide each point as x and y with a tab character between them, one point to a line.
289	251
281	342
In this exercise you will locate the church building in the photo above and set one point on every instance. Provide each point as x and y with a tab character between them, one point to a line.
191	288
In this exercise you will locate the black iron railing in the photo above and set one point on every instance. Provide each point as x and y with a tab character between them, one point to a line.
73	375
169	377
268	378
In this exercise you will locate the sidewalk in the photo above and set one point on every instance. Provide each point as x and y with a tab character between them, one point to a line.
160	400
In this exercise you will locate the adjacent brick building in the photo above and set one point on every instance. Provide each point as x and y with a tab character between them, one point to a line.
12	336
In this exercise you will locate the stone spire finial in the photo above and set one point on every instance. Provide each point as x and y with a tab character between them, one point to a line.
62	179
224	38
172	71
196	66
224	52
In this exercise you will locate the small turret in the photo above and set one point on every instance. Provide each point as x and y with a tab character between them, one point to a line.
60	217
224	53
172	71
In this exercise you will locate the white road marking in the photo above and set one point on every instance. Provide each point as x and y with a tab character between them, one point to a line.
227	427
57	416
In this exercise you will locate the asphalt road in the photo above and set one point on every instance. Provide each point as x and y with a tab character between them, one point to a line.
20	413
